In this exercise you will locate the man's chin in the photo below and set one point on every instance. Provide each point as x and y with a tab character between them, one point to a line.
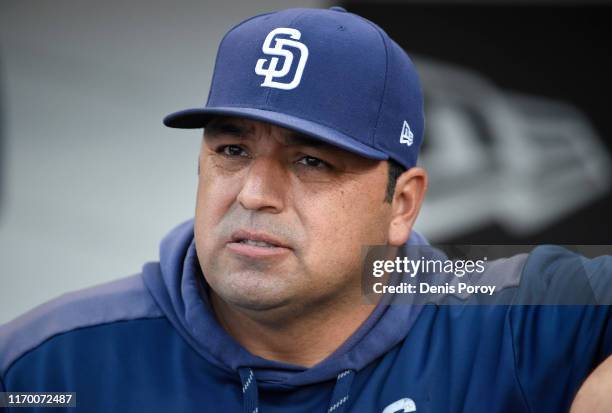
254	292
255	303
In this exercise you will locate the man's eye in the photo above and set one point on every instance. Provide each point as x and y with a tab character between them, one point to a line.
313	162
232	150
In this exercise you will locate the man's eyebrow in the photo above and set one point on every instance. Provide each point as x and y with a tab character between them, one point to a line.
290	138
226	128
299	139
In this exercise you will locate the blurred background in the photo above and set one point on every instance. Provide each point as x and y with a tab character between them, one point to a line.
518	142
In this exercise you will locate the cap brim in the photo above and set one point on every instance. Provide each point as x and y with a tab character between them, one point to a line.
197	118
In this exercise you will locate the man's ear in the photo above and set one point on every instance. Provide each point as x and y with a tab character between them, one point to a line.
407	199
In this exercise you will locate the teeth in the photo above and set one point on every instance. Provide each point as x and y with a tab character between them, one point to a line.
256	243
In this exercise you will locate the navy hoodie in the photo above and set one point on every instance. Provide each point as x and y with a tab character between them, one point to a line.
150	343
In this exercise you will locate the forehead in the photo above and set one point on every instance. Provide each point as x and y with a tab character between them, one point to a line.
244	127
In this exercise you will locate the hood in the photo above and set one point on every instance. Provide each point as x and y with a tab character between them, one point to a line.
178	286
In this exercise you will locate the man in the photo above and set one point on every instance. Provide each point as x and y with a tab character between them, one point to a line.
312	130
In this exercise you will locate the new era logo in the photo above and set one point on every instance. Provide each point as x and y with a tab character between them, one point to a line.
406	136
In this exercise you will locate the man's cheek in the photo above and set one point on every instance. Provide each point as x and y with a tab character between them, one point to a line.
335	242
213	200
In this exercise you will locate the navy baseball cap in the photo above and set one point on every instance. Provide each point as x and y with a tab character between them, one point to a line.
326	73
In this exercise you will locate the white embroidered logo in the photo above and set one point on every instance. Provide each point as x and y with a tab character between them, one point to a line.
406	136
404	405
277	49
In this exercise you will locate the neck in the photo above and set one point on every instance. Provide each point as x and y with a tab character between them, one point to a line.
303	340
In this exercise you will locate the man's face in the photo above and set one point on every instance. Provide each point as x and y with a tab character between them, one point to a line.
281	218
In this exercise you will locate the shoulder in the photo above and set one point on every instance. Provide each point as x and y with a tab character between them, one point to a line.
556	257
566	335
123	299
556	275
565	295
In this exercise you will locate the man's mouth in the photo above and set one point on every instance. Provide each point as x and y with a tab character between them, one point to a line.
256	238
254	244
257	243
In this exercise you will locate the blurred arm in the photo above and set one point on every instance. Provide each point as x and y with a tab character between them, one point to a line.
595	394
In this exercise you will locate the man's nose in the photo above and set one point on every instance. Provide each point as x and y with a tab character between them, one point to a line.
264	187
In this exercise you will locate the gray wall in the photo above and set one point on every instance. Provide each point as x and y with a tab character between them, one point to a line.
91	178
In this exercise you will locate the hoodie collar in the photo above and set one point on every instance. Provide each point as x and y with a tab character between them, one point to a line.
178	286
